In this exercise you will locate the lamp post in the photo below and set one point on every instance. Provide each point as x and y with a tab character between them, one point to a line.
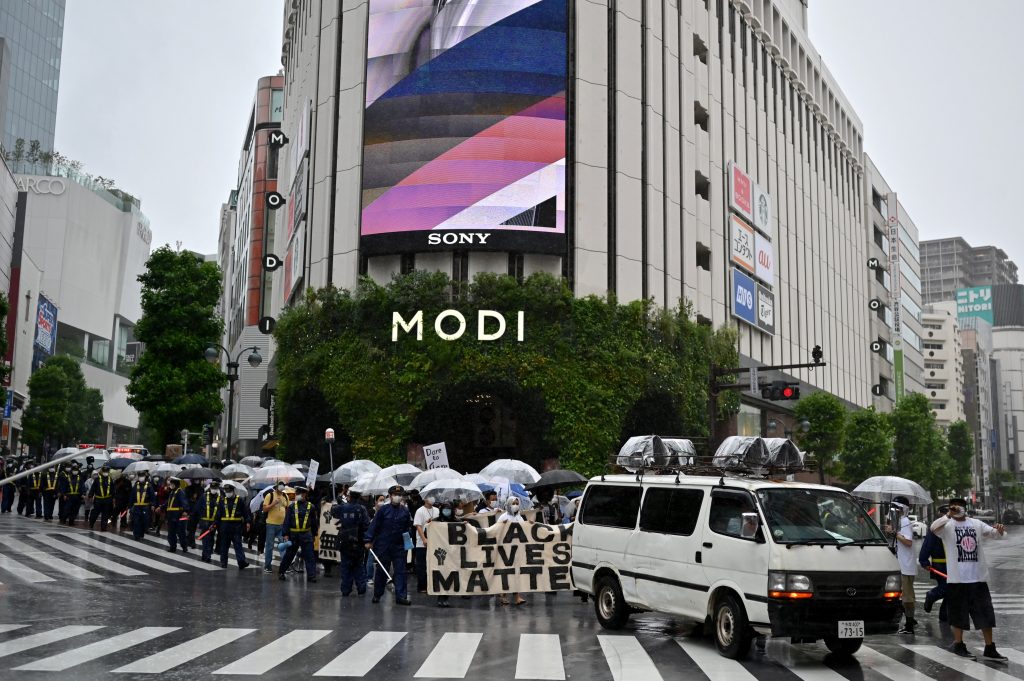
254	359
329	438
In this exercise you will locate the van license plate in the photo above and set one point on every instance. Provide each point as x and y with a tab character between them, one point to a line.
851	629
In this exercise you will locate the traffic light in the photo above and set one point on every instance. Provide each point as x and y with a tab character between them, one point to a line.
817	355
780	390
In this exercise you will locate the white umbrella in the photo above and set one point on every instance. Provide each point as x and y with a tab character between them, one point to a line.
427	477
884	488
267	463
450	490
135	467
476	479
404	473
375	484
513	469
167	469
253	461
239	488
284	473
347	473
237	470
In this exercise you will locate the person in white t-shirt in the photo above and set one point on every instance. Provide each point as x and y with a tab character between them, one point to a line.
424	514
908	562
967	595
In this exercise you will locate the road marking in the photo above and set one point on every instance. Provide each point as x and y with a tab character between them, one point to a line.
94	651
23	571
114	551
185	652
166	555
98	561
627	659
451	657
975	670
49	559
363	655
888	667
714	665
1015	655
275	652
45	638
808	667
4	628
540	657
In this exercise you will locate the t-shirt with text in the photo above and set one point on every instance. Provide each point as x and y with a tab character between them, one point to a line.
965	561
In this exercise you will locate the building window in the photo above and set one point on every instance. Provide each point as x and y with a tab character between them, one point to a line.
515	266
700	116
272	153
700	50
702	186
460	272
408	263
703	257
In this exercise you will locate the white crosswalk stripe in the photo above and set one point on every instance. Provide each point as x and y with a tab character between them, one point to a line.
713	664
45	638
94	651
627	659
975	670
540	657
275	653
22	571
185	652
451	657
166	555
87	556
48	559
888	667
363	655
121	553
1015	655
4	628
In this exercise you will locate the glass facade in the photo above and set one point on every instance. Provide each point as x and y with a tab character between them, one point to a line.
33	31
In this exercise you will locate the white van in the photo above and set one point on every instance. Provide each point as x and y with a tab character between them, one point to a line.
740	555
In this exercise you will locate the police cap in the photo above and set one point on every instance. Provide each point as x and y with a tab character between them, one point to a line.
396	489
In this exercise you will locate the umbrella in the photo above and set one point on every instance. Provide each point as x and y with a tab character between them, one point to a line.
120	462
451	489
237	470
239	488
192	458
135	466
404	473
557	478
378	483
477	480
884	487
168	469
284	473
513	469
267	463
199	474
253	461
427	477
349	472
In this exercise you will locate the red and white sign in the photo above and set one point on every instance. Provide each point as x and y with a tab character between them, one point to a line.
765	259
741	244
741	192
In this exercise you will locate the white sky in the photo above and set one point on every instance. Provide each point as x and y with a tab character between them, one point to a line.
156	95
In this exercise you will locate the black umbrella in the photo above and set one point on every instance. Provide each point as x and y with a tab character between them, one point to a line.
557	478
118	463
192	458
199	474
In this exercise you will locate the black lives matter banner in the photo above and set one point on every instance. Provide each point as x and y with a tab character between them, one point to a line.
463	559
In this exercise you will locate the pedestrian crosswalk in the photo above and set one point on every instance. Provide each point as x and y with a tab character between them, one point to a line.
155	650
1002	603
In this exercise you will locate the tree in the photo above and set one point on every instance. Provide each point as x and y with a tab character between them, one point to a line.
173	386
827	432
919	450
62	408
868	448
961	449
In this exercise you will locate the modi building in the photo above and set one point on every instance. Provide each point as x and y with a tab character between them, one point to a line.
681	150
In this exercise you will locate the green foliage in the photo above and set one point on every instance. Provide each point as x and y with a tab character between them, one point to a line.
61	406
920	448
961	451
868	446
583	367
173	386
827	432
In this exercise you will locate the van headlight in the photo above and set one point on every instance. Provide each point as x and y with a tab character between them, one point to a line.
789	585
893	583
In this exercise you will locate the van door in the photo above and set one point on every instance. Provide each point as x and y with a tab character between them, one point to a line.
725	555
668	578
604	527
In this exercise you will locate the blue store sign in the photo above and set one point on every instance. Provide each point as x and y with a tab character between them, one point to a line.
744	297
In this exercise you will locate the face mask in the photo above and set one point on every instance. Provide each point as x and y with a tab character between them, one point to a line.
494	504
280	488
380	503
229	493
458	513
396	499
447	513
514	508
300	497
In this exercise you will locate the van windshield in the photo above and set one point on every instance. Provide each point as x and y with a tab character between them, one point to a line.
812	516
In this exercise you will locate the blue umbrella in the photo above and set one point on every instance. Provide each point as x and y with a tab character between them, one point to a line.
191	458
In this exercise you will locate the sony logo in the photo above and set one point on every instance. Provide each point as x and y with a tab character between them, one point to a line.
453	238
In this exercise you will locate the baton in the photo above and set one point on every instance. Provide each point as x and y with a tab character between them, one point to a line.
381	565
936	572
208	531
123	514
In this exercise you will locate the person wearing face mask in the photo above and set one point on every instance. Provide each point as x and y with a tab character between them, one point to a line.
512	514
446	514
488	503
301	523
353	522
177	504
375	505
908	561
233	518
421	518
71	494
386	538
142	500
102	493
206	512
275	503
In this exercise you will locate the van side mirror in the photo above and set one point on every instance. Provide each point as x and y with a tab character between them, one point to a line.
751	524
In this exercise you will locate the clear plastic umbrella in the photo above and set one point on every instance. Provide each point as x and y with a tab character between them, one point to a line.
168	469
374	484
404	473
512	469
285	473
136	466
883	488
253	461
349	472
450	490
427	477
477	479
237	471
267	463
239	488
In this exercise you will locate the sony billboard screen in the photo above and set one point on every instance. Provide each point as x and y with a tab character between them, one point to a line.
465	126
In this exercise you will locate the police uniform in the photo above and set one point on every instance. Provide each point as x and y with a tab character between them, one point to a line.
35	488
232	515
177	504
301	522
102	493
206	512
24	493
386	535
71	494
933	554
142	499
51	480
354	521
7	491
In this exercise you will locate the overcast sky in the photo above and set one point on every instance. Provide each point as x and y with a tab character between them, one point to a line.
156	95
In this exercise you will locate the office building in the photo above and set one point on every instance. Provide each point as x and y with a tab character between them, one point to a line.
1008	353
943	362
948	265
32	33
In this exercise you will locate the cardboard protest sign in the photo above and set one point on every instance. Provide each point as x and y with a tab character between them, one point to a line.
328	534
463	559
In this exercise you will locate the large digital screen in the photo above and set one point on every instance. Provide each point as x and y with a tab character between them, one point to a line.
464	142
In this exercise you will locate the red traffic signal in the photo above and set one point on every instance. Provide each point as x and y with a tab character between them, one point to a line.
780	390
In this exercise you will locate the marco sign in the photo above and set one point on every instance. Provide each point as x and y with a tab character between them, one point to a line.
451	325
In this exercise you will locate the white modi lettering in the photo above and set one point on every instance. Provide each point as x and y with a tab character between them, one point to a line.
485	319
43	185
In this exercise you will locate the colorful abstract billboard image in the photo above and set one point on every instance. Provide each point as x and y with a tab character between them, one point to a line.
465	126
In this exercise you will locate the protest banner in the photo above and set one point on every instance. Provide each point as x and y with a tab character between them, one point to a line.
435	456
328	534
464	560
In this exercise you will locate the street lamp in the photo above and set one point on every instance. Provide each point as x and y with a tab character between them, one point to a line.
254	359
329	438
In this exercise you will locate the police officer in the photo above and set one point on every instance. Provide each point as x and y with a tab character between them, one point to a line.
301	522
51	480
142	500
35	489
206	511
386	536
71	494
24	493
933	555
353	523
7	468
102	493
177	504
233	518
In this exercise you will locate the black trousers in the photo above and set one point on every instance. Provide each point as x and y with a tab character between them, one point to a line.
102	509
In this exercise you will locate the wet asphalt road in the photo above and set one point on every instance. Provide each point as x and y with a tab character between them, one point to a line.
126	613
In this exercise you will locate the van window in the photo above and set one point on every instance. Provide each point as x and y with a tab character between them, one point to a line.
671	511
727	509
611	506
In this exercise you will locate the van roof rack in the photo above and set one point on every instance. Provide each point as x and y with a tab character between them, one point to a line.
737	456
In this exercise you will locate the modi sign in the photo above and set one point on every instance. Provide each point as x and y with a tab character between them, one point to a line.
463	559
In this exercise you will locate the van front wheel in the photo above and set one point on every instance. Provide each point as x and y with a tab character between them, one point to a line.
732	631
844	647
610	606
